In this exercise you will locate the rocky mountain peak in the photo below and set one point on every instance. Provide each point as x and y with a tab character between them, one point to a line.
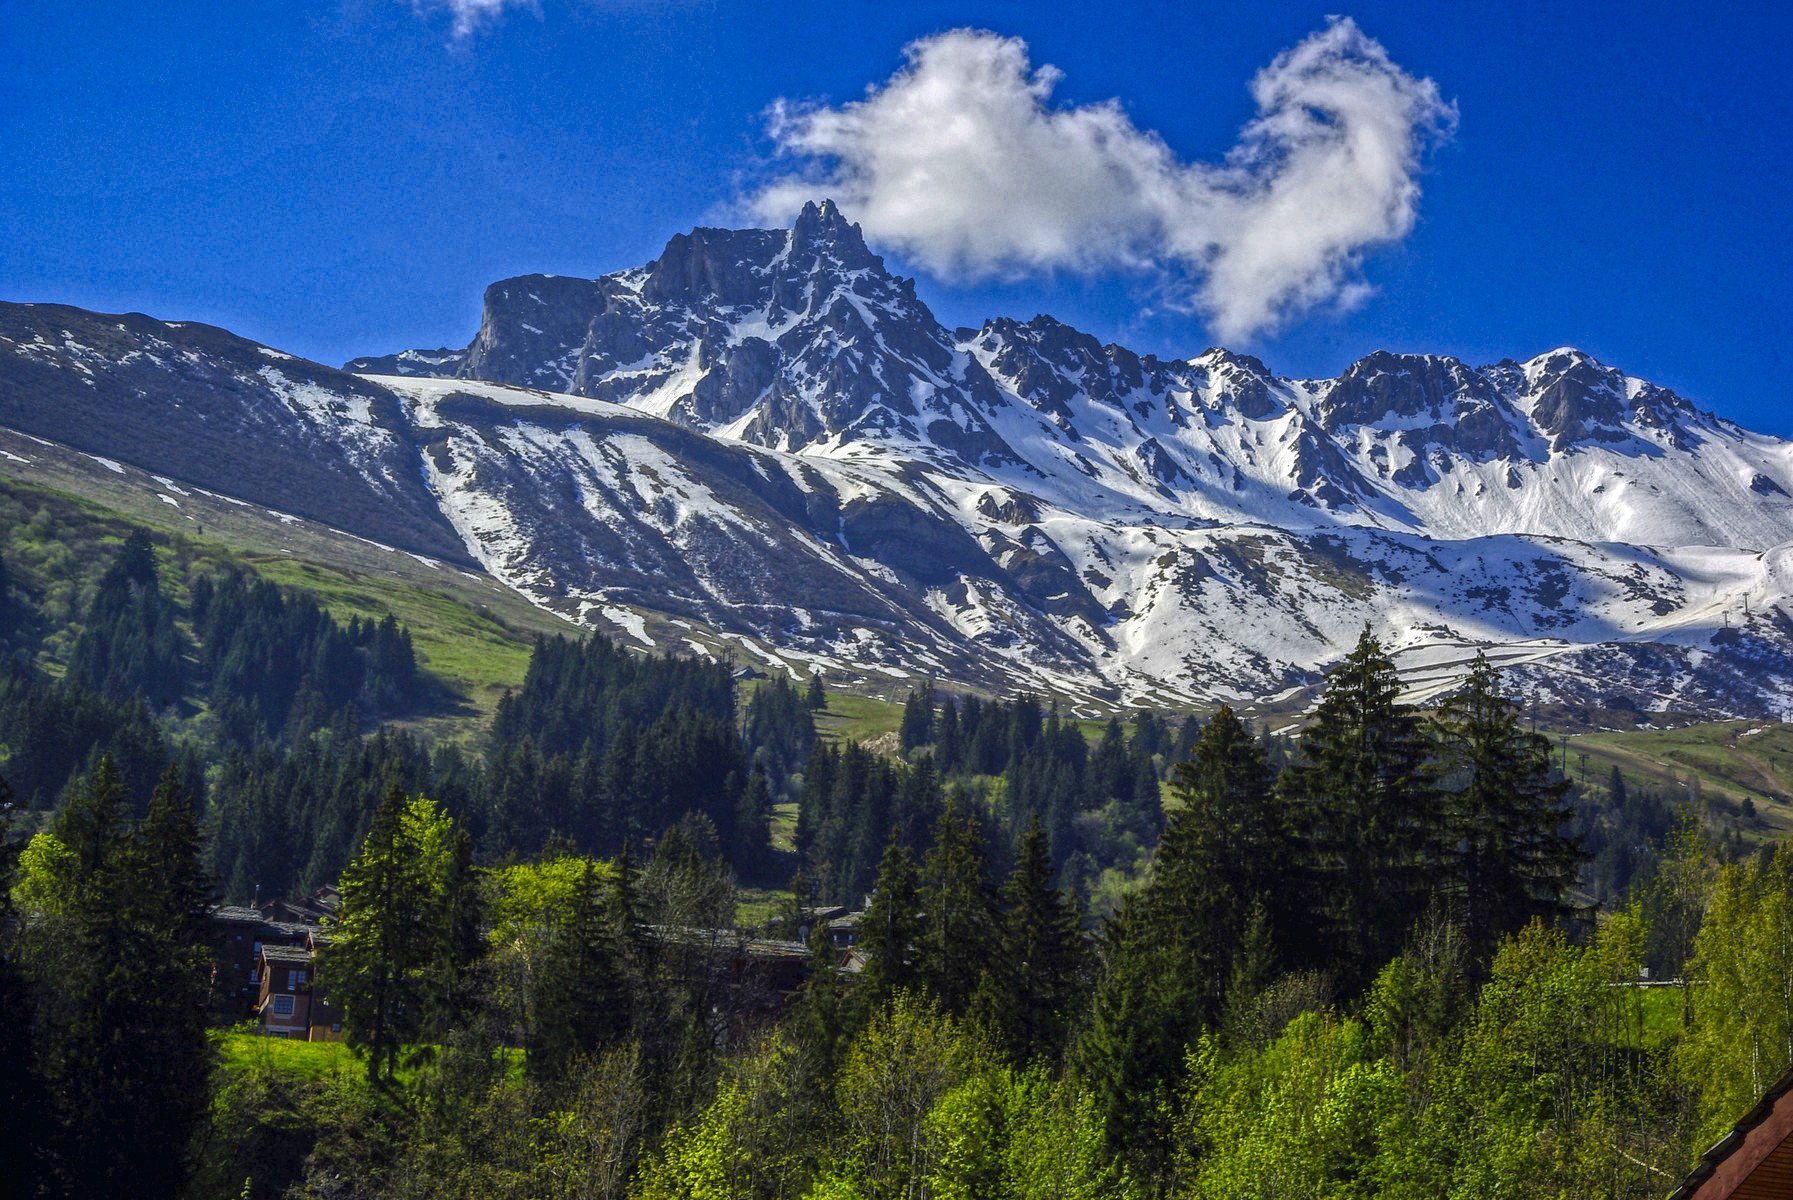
727	267
823	234
1240	382
1576	398
1405	387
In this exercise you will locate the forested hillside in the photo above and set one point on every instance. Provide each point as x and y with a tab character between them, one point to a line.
1389	953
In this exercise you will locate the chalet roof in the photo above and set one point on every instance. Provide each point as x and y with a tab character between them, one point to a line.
727	939
236	913
1755	1159
293	954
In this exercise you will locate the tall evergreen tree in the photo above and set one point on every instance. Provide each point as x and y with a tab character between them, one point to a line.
918	718
123	998
389	930
1040	961
581	995
753	826
1367	816
1129	1053
959	924
890	931
1224	851
457	983
165	901
25	1126
1508	858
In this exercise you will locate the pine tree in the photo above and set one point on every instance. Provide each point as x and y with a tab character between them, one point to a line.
890	931
25	1126
1367	817
456	978
949	745
753	826
918	719
959	924
1129	1054
1508	859
122	1044
1040	963
1224	852
581	1000
166	899
381	939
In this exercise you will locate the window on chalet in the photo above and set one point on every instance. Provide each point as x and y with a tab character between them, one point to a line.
283	1006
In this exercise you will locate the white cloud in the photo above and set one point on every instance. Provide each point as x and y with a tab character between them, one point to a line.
961	163
470	16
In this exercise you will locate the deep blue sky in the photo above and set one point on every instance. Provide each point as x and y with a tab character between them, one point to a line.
338	177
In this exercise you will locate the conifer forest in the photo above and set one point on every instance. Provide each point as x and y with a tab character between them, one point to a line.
649	930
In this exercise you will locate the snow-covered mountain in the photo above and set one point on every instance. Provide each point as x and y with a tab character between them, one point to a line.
766	435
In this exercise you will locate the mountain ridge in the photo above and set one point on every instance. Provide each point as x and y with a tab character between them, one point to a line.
765	433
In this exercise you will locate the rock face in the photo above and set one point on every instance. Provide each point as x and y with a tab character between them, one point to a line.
764	437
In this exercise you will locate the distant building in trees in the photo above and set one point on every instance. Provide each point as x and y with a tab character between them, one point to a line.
289	1004
841	922
238	936
292	930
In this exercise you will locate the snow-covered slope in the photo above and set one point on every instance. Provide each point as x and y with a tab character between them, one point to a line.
856	561
764	439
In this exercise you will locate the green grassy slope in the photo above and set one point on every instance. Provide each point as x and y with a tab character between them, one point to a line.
1724	764
60	516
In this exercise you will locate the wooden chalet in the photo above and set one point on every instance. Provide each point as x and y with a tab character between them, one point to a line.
289	1004
1754	1161
266	961
841	923
238	936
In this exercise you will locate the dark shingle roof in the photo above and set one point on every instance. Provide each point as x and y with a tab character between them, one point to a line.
236	912
294	954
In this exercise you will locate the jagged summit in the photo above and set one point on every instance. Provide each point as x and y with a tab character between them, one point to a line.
800	340
766	435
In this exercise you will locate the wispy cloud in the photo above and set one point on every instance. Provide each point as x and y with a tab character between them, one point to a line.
470	16
961	162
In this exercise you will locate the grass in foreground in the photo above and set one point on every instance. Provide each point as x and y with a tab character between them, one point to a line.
243	1050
